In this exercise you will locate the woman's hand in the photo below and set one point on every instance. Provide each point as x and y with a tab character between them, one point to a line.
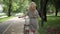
23	16
19	17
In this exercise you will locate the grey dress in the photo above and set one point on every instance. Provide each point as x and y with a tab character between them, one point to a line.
33	20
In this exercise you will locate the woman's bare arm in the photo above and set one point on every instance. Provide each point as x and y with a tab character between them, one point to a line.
23	16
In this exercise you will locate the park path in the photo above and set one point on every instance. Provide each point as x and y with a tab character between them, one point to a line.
15	26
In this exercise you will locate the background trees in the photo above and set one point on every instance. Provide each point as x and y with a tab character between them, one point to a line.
43	6
14	6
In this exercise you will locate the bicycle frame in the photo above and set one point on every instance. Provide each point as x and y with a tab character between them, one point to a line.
26	26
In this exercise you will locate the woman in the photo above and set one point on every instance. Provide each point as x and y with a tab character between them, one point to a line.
33	15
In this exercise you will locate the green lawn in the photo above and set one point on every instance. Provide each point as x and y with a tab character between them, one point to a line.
4	19
53	21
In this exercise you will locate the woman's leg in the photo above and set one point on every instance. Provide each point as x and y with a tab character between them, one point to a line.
32	31
36	32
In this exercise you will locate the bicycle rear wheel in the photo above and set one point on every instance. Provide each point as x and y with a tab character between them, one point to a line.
26	29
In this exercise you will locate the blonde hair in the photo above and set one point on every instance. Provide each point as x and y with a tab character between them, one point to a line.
32	4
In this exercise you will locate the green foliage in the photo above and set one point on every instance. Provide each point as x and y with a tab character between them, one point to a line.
1	1
38	3
4	19
52	22
17	5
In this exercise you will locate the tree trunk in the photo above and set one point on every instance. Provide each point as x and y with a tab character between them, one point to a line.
57	7
33	0
43	9
56	13
9	10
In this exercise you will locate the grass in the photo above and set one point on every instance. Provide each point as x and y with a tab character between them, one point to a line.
4	19
53	21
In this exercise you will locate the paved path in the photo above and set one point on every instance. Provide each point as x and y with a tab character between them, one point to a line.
12	26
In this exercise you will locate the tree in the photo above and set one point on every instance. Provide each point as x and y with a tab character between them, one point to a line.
9	10
56	4
15	6
7	6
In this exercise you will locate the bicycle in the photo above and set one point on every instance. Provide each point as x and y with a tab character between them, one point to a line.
26	26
